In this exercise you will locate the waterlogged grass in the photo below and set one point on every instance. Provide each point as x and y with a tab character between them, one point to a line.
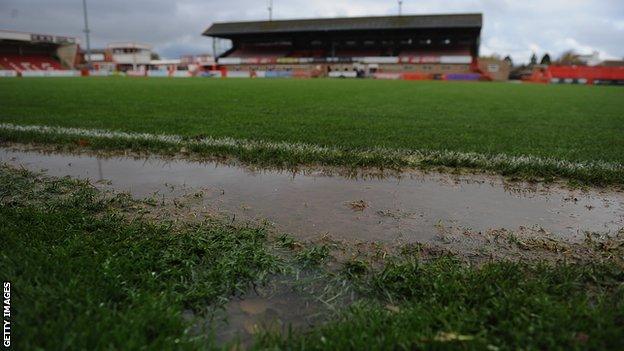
84	277
313	255
445	304
285	155
571	123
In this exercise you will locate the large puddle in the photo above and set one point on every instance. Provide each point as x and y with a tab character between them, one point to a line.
403	209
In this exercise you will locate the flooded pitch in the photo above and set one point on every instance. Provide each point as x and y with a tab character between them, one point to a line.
405	209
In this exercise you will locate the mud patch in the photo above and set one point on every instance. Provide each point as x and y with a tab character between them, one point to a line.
530	245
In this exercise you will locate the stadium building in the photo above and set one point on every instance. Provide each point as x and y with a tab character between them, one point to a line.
136	59
409	47
122	57
31	54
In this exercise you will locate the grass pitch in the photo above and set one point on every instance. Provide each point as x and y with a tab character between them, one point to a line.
102	276
571	123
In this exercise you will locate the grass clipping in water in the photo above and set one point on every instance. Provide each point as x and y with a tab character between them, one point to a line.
297	154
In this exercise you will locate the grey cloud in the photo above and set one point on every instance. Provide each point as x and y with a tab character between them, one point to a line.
174	27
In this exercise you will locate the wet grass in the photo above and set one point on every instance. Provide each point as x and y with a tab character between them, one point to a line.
314	255
85	275
568	123
292	156
442	304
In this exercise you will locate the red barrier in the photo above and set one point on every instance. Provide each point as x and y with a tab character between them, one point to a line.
416	76
591	73
539	75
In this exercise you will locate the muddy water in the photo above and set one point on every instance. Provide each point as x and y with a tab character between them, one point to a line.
298	302
391	210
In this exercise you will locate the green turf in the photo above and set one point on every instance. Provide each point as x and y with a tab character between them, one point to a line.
577	123
446	305
84	277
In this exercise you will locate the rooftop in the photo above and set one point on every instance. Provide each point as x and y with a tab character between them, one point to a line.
228	29
129	45
36	37
613	63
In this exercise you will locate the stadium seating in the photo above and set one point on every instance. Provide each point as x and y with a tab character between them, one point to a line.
359	53
29	63
308	53
261	52
429	52
282	51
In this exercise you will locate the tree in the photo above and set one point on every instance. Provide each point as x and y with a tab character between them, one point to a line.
508	60
154	56
546	60
533	59
570	58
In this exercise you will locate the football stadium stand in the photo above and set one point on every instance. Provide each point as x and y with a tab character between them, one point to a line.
426	47
30	54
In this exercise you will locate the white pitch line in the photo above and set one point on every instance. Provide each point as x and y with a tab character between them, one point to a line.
409	157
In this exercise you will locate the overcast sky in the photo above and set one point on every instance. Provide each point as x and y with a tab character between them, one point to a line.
511	27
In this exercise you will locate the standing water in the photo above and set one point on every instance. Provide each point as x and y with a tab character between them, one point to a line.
388	210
